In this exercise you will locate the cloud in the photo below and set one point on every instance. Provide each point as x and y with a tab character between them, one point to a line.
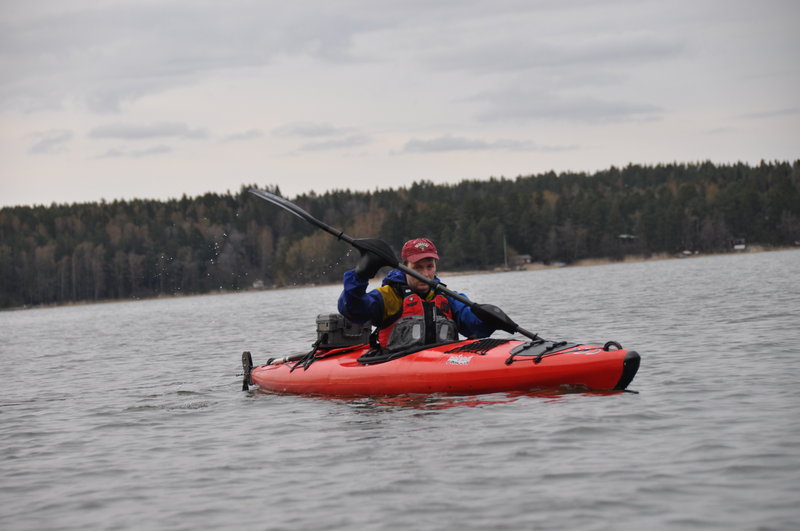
556	149
52	141
775	113
520	106
457	143
149	152
521	52
136	153
335	137
251	134
719	130
112	154
337	143
309	129
127	131
104	56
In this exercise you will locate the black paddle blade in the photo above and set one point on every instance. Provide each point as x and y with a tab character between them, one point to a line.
300	213
281	202
247	365
495	317
377	247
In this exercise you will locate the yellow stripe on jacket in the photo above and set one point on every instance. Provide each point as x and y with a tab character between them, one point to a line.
393	302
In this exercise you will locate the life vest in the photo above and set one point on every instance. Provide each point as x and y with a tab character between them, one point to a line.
418	323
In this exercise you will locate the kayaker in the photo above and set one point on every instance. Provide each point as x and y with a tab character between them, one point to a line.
405	310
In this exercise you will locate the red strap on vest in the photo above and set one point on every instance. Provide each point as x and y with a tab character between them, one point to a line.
413	304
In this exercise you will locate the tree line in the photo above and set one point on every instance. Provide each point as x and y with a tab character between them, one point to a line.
143	248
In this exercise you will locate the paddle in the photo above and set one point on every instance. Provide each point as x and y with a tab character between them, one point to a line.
488	313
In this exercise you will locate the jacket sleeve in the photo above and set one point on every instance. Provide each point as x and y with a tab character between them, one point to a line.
468	323
356	304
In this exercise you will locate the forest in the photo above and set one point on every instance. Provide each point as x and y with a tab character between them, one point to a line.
97	251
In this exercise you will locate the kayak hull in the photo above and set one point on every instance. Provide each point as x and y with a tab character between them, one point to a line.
453	369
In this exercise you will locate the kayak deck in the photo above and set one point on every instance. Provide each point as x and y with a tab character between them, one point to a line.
463	367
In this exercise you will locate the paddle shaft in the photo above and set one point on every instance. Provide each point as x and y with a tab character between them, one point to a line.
435	286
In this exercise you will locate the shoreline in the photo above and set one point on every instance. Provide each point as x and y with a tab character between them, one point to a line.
628	259
536	266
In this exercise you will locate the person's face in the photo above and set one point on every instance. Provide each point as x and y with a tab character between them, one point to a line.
425	267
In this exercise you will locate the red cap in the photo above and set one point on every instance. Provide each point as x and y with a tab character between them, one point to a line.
416	250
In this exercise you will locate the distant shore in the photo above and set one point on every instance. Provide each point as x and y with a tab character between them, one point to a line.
536	266
628	259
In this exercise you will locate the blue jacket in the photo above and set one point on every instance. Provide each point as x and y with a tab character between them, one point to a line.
359	306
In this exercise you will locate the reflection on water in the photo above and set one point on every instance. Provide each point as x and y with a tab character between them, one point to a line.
439	401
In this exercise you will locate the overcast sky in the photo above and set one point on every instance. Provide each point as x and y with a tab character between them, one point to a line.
154	99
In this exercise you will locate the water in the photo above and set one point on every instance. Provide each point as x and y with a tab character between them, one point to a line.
130	415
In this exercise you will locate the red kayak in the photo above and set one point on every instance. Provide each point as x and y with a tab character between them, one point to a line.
469	367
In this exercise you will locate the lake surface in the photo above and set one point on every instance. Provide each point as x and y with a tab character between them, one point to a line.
131	415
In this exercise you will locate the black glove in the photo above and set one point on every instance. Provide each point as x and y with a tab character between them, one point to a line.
375	254
368	265
494	317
